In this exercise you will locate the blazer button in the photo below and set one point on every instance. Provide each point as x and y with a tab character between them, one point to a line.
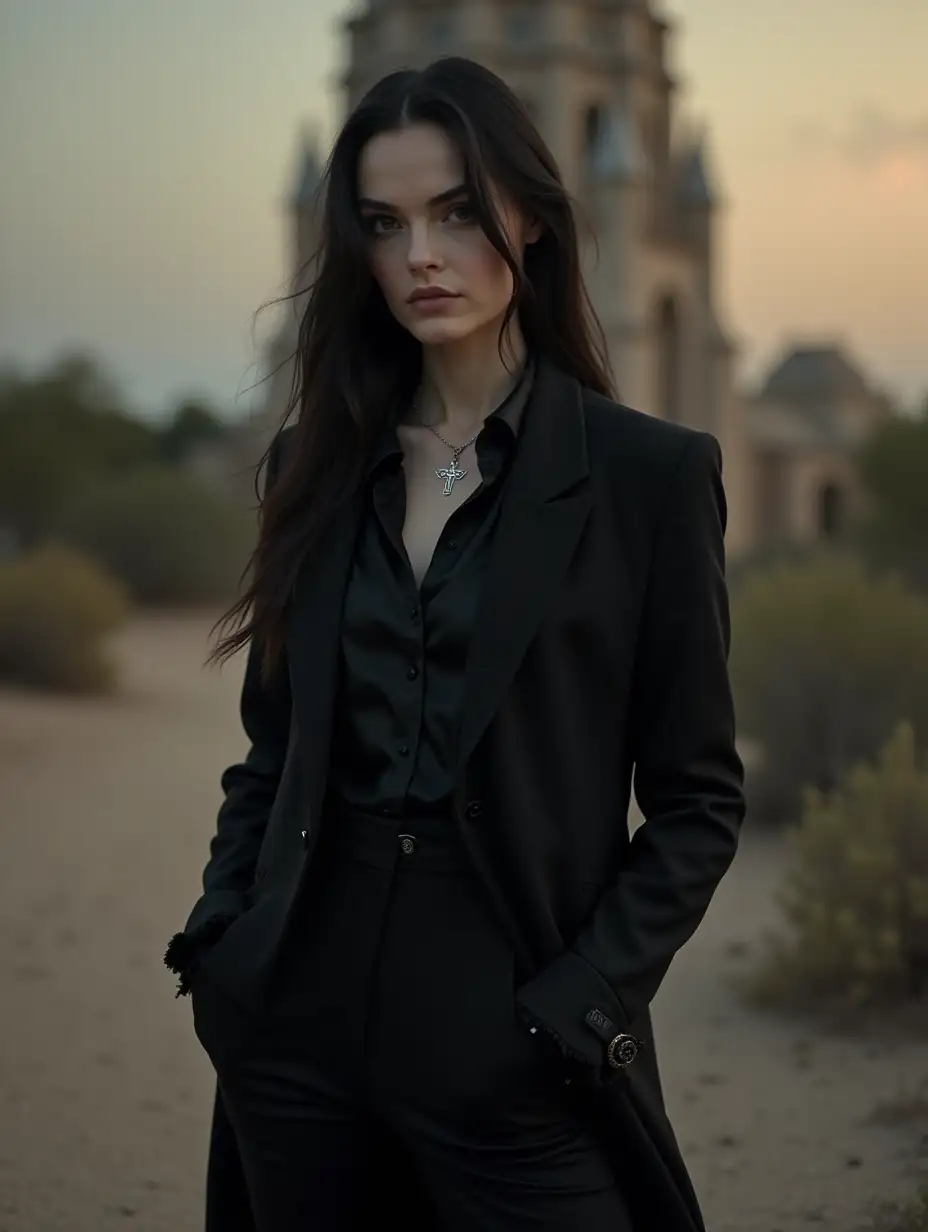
474	810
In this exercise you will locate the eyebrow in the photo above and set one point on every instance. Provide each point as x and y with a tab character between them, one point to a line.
459	190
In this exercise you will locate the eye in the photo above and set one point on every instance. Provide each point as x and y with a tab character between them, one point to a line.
379	224
462	213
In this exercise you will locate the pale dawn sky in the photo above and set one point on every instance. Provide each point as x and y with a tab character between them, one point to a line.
147	147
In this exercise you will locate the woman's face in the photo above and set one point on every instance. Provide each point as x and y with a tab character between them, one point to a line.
424	238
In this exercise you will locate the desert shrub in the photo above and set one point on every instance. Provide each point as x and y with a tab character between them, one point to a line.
168	536
56	609
770	556
911	1216
855	896
825	661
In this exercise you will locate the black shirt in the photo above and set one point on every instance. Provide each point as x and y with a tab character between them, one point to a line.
404	648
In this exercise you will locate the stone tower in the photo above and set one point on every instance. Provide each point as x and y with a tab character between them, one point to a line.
595	75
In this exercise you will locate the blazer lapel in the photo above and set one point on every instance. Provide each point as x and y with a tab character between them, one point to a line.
313	643
545	508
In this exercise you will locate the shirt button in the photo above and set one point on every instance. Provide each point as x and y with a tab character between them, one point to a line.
452	545
412	672
403	750
414	614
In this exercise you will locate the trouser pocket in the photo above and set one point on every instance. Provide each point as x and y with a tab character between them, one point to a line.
222	1026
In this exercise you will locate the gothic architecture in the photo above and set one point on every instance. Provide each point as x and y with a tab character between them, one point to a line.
597	76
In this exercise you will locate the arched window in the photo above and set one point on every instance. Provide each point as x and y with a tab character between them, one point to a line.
521	25
831	511
668	359
592	124
592	121
441	34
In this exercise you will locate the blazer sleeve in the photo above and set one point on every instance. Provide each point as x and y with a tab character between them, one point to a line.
249	789
688	779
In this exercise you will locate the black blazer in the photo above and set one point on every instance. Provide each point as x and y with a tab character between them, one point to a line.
600	653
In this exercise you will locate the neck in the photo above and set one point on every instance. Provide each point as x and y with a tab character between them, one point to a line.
464	382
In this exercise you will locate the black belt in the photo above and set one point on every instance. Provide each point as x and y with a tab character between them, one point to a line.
421	843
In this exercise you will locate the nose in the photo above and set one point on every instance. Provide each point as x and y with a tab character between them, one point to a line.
423	251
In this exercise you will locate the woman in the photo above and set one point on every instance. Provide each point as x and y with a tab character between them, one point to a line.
483	595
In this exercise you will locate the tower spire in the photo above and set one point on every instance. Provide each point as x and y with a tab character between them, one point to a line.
694	183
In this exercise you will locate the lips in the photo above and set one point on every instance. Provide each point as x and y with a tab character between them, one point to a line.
427	293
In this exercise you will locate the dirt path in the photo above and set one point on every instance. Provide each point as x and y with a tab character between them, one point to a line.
105	812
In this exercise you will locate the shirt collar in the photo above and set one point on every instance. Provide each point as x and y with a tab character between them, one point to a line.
512	408
510	411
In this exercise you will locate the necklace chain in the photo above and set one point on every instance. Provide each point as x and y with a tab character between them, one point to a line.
457	450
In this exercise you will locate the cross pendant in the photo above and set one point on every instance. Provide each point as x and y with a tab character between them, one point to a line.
450	474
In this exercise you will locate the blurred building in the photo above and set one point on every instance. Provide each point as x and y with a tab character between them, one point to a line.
804	425
597	77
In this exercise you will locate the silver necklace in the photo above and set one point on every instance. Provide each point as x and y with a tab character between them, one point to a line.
450	474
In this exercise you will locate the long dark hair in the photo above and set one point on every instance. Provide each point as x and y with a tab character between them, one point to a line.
354	362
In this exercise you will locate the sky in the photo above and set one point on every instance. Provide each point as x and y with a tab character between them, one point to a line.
148	146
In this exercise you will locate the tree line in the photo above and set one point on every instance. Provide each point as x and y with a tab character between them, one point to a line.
67	428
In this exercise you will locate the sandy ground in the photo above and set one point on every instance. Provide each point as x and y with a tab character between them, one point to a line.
106	808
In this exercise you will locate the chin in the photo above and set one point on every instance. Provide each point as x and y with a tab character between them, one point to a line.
441	332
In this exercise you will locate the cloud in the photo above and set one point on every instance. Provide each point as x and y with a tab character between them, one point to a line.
870	137
874	136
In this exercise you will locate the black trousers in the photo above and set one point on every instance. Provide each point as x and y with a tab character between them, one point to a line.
392	1009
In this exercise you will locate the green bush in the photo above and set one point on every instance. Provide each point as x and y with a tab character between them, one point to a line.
825	661
62	432
855	897
166	535
56	608
892	465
